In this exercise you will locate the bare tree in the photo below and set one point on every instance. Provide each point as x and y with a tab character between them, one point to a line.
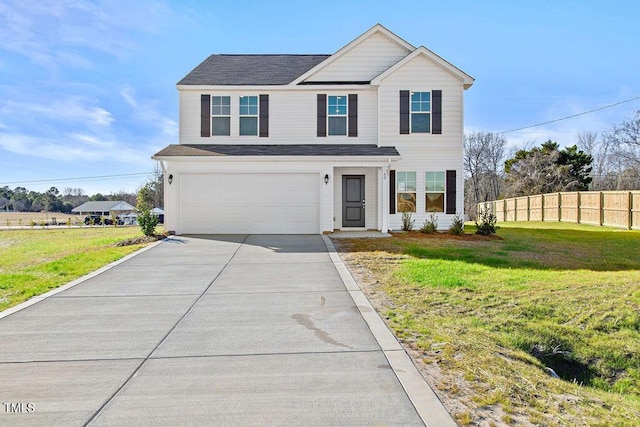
484	154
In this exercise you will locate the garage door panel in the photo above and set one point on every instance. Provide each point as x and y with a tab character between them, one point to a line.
249	203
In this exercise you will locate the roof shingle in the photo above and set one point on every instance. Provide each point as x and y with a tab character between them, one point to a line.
251	69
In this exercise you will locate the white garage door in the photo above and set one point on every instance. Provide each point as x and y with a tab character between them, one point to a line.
249	203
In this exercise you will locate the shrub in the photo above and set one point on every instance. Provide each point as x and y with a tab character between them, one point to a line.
486	222
457	226
407	221
430	225
147	222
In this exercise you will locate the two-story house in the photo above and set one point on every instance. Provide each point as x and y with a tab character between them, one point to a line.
315	143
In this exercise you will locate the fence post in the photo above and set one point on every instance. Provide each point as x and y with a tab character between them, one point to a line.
601	206
578	207
542	207
630	207
559	206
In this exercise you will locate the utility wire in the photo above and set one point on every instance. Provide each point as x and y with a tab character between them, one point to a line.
572	116
84	178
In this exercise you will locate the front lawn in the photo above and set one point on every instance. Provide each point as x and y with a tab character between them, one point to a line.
33	262
491	320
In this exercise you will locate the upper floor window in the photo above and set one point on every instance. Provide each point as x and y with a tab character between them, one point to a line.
420	112
221	115
337	115
406	191
249	115
434	186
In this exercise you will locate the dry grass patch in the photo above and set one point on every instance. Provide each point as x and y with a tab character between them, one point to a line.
488	319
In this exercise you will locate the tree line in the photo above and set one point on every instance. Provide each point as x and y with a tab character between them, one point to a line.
596	162
20	199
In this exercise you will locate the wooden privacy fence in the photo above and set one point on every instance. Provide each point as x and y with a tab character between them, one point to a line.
609	208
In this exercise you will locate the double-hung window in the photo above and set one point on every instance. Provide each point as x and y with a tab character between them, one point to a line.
420	112
249	115
406	191
337	115
434	187
221	115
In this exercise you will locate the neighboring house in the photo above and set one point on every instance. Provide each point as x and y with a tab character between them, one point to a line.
105	209
317	143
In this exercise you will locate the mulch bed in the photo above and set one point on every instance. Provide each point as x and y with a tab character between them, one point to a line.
414	234
141	240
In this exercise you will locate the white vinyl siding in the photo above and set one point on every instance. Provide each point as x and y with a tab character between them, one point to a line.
423	152
363	62
292	117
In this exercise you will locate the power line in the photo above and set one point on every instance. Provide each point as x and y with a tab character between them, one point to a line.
572	116
84	178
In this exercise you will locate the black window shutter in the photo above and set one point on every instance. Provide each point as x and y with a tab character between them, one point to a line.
322	114
392	192
451	192
436	122
404	112
353	114
205	115
264	115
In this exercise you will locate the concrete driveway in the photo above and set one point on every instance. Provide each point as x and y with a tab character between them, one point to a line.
211	330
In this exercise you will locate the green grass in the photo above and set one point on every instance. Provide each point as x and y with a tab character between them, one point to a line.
33	262
496	313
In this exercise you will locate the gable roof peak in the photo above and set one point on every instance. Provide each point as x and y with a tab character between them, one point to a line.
376	29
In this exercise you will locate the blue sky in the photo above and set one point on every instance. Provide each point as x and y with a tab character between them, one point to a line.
87	88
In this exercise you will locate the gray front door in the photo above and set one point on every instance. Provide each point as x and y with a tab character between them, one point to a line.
353	200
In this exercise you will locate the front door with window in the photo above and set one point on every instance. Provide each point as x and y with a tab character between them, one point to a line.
353	202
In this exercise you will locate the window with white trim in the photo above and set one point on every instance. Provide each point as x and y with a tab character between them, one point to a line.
220	115
420	112
249	115
337	115
434	187
406	191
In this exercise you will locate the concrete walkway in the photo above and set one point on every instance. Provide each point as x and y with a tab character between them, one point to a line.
211	330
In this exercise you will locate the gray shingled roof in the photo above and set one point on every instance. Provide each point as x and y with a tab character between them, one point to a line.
179	150
102	206
251	69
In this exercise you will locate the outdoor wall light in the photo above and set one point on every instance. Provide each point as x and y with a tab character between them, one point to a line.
326	178
170	179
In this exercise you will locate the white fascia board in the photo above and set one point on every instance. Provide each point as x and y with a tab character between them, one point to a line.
466	79
342	160
271	88
378	28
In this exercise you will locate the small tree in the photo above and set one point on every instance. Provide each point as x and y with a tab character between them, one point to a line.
486	221
430	225
146	219
457	225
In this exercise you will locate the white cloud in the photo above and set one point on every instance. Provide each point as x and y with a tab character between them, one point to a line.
127	94
146	111
71	148
70	109
51	32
